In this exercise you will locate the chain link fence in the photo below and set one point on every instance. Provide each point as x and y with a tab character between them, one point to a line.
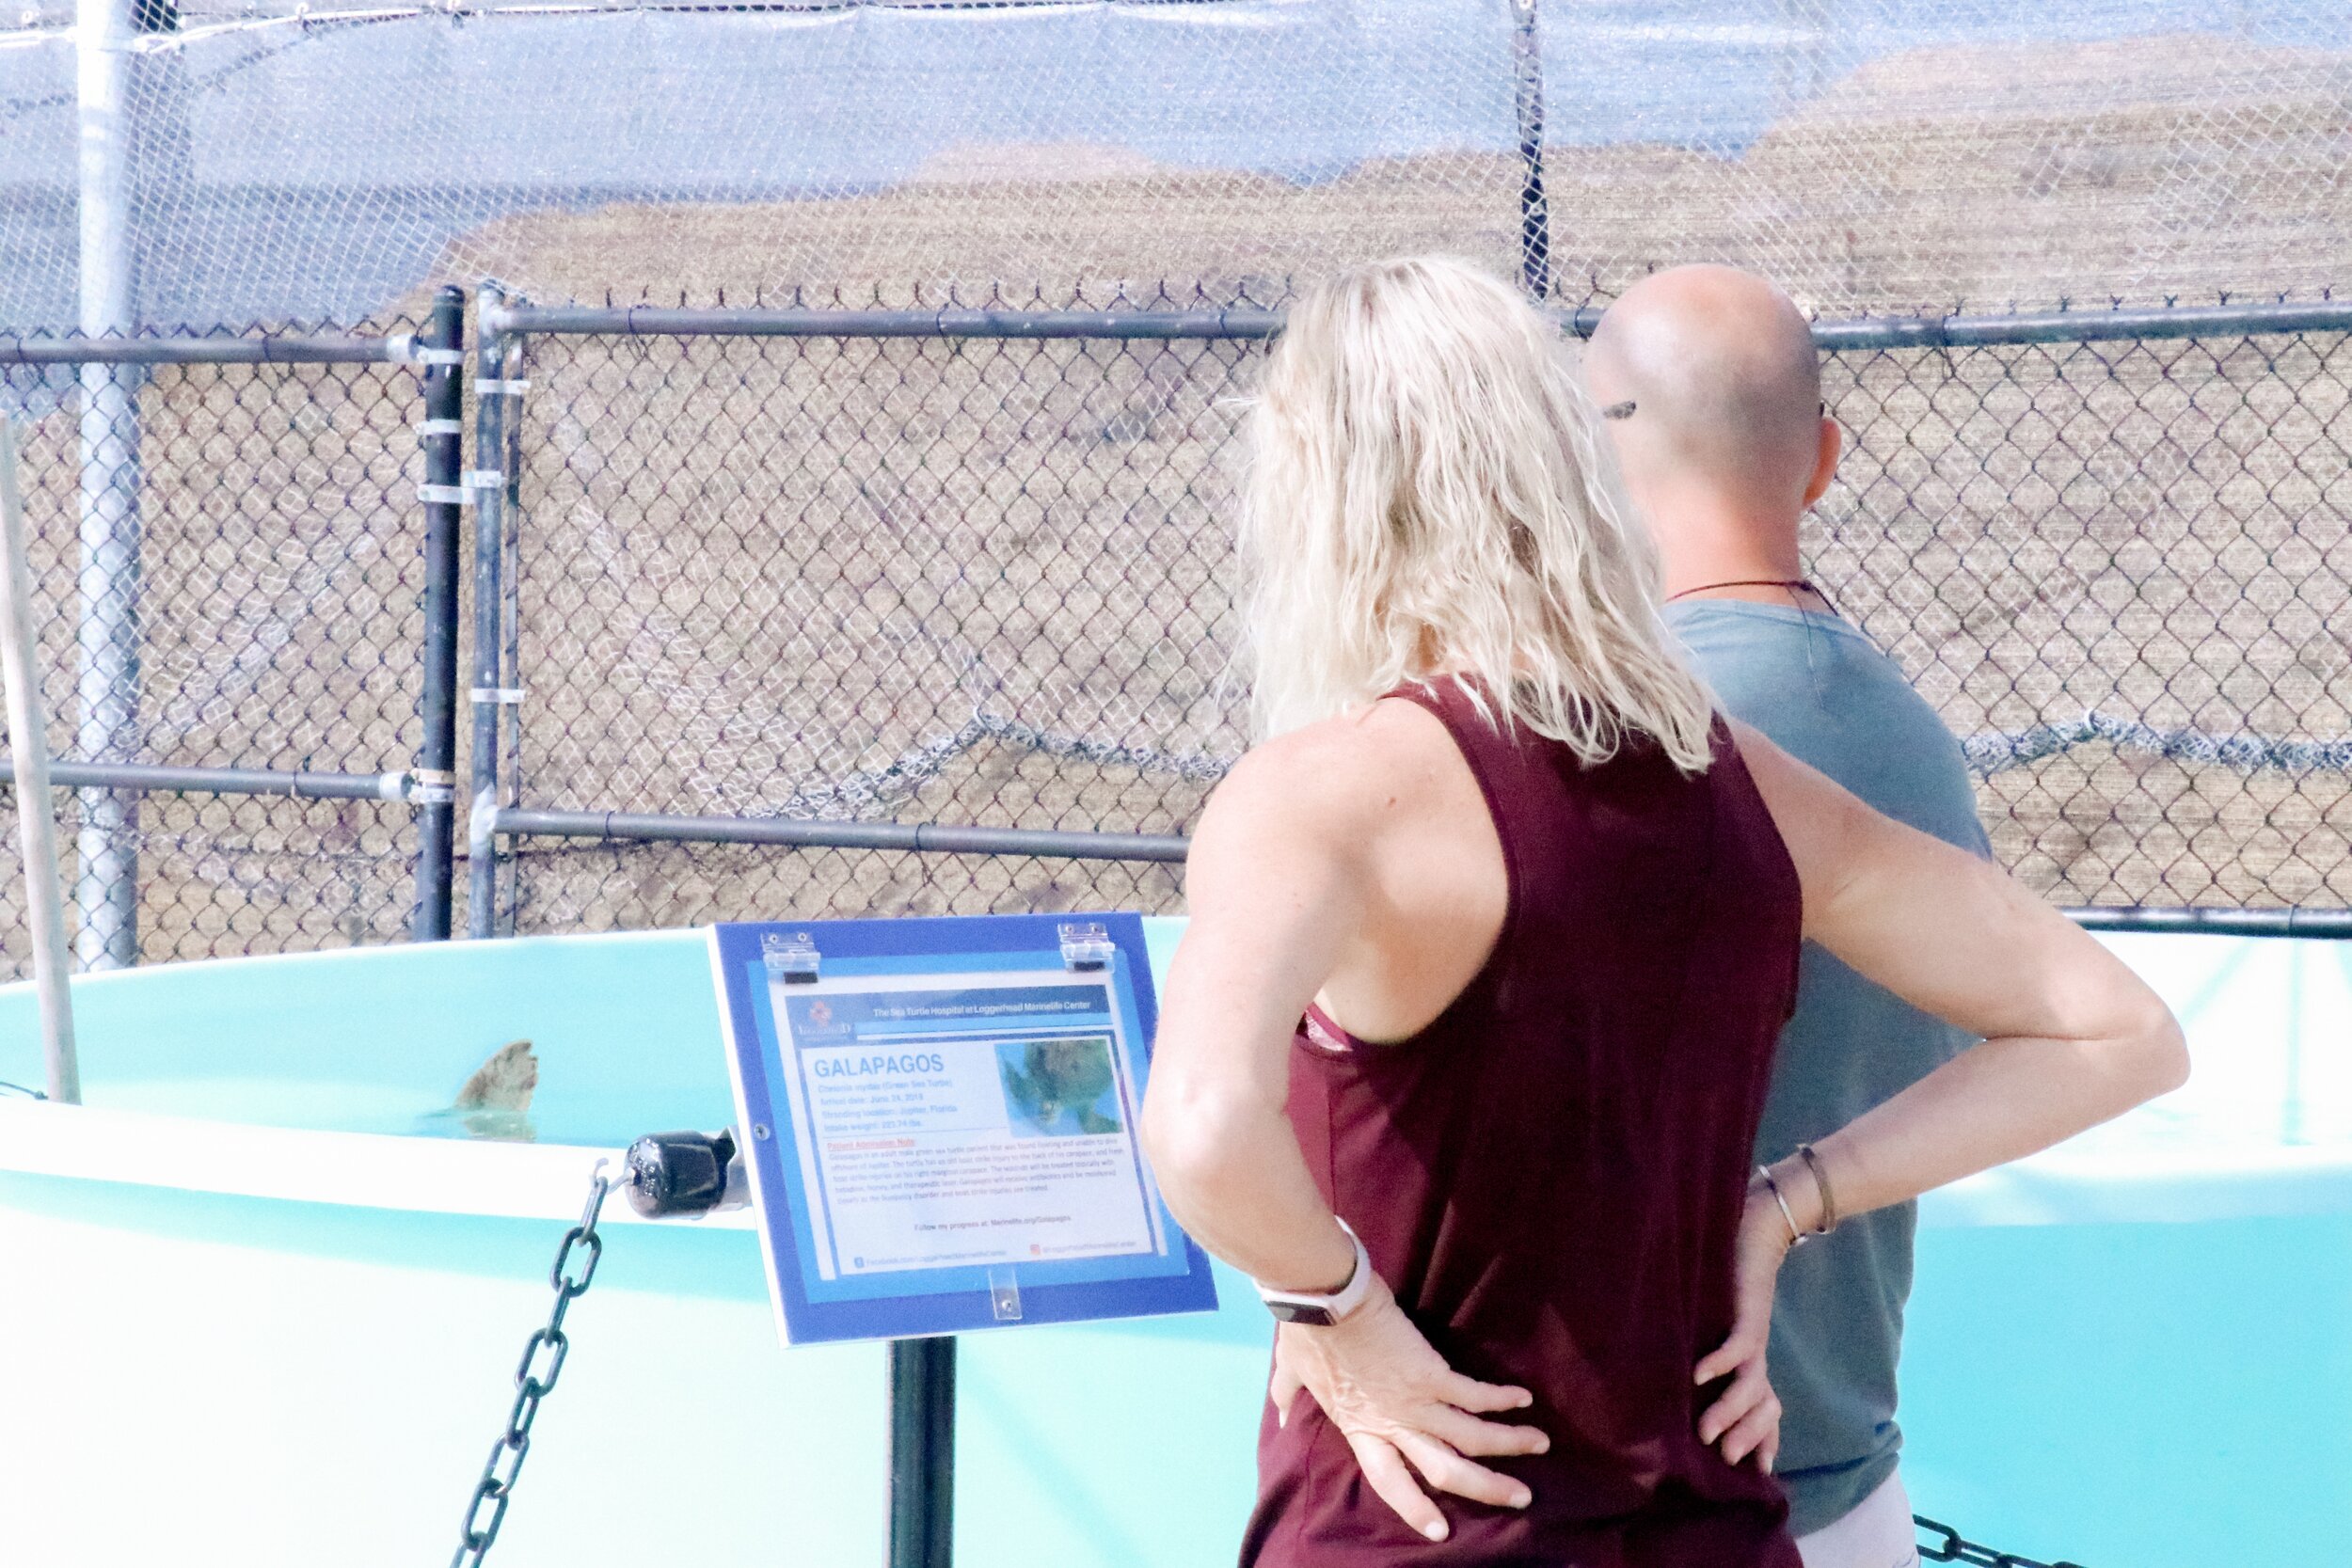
900	589
775	570
823	612
229	569
2122	570
973	581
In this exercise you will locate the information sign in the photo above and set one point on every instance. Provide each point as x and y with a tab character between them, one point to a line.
941	1120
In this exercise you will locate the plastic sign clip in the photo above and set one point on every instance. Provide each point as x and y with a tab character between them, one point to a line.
1004	1294
792	959
1085	945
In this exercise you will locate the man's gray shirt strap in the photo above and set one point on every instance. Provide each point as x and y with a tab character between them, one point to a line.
1824	693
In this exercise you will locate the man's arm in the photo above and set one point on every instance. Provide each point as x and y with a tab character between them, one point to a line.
2070	1038
1278	883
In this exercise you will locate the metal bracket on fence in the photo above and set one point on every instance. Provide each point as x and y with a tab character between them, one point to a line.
445	494
441	427
496	694
393	787
403	348
483	479
432	786
510	387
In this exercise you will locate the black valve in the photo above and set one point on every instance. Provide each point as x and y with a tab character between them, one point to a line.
678	1173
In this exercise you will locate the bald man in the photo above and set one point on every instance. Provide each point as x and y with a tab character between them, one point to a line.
1712	389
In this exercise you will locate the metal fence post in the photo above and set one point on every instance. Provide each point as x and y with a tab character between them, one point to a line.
1527	101
35	805
511	620
106	679
922	1453
489	544
445	494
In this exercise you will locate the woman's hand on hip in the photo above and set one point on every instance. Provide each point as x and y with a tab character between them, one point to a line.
1397	1403
1745	1417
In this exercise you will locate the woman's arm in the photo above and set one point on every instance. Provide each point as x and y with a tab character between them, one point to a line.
2070	1035
1273	896
1278	885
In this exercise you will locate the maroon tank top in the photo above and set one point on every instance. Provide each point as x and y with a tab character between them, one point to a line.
1552	1175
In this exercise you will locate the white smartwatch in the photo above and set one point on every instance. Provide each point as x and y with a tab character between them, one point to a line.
1320	1310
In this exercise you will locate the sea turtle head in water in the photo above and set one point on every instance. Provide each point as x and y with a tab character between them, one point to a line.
495	1100
1059	1074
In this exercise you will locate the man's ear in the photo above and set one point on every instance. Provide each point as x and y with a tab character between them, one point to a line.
1825	461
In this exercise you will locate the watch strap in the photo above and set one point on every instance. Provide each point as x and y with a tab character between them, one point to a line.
1324	1309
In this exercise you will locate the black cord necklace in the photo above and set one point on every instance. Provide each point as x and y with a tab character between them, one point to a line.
1793	585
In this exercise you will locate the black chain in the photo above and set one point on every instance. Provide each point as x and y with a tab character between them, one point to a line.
533	1382
1952	1548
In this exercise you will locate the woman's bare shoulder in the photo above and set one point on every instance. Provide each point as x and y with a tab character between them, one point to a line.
1343	772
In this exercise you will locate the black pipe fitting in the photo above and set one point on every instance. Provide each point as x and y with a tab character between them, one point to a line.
668	1174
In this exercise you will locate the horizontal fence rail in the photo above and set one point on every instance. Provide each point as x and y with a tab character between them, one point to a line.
652	320
1254	324
287	349
942	838
938	838
2070	326
294	786
927	837
2334	924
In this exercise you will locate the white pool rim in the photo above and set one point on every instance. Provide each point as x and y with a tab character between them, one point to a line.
368	1170
520	1181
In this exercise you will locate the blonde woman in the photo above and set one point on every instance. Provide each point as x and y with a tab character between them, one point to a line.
1463	1052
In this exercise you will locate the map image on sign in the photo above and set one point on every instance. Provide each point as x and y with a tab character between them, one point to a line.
1060	1088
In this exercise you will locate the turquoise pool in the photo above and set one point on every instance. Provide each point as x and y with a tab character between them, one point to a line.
259	1313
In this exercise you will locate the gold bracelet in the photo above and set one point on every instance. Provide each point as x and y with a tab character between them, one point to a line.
1821	1185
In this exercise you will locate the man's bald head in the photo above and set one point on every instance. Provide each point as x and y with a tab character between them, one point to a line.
1724	385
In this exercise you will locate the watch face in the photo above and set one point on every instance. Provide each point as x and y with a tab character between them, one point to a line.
1300	1312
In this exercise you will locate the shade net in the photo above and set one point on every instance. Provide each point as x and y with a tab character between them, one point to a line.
321	162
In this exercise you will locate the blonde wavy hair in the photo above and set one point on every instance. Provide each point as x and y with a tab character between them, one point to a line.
1428	494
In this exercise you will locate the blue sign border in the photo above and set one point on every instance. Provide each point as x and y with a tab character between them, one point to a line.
812	1310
